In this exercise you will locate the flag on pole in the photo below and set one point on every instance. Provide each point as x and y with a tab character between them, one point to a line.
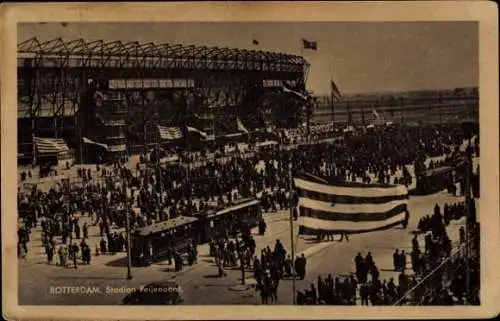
241	127
287	89
199	132
335	91
309	44
349	207
169	133
375	114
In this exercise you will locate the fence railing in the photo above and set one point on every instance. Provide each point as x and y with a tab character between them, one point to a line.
440	277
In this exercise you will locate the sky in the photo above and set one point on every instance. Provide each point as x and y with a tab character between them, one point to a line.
359	56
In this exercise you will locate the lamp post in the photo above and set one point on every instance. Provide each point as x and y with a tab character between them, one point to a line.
291	228
127	223
242	265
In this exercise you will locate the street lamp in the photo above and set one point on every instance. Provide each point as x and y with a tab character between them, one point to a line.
127	223
291	227
242	265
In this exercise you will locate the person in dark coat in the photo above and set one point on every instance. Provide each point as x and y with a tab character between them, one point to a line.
414	243
369	261
178	262
77	230
406	220
300	267
375	273
402	260
395	260
85	252
288	266
262	226
74	254
303	264
300	298
364	293
391	289
50	254
312	294
85	230
103	246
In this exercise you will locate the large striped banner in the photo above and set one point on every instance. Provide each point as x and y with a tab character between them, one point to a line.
50	146
349	207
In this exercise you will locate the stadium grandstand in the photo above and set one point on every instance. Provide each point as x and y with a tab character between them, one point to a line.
102	98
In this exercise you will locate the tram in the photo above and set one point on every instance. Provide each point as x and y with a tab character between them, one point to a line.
436	179
243	213
155	242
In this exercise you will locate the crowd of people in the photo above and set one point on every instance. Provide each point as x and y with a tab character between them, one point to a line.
268	269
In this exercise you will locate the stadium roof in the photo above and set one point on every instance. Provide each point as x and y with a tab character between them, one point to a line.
101	48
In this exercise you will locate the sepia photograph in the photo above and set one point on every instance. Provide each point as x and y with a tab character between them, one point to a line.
258	163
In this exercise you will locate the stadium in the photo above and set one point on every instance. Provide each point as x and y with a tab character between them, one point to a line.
114	95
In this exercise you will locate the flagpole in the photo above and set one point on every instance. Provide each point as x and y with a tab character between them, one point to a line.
307	112
363	113
331	104
349	116
291	227
33	146
402	106
160	215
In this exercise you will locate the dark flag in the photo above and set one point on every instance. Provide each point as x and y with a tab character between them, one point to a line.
308	44
255	42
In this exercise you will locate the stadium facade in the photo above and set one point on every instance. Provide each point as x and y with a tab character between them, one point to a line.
115	94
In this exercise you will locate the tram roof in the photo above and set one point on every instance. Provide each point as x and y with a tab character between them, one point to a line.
83	48
166	225
238	205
